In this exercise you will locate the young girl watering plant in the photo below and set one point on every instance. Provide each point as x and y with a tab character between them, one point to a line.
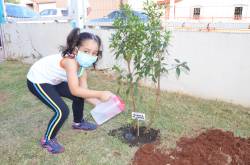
64	75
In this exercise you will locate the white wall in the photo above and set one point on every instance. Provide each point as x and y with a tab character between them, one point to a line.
1	45
29	41
219	62
219	65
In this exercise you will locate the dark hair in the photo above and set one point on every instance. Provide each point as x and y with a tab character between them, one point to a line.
74	40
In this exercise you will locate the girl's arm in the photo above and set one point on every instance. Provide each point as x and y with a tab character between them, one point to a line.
84	84
70	65
93	101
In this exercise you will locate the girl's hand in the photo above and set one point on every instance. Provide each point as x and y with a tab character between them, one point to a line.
105	95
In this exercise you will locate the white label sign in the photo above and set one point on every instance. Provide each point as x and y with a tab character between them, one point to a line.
138	116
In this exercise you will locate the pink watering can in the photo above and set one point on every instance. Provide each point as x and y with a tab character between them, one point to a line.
107	110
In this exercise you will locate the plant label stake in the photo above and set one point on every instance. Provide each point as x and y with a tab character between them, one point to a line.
138	116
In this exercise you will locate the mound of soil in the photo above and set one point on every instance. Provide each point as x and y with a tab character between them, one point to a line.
128	134
213	147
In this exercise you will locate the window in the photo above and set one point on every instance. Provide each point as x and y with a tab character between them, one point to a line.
114	15
238	13
197	13
44	12
28	13
52	12
19	11
64	12
14	11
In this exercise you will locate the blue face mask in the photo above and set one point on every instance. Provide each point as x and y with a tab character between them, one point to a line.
85	60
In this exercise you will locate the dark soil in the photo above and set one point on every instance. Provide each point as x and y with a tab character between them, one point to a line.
213	147
128	134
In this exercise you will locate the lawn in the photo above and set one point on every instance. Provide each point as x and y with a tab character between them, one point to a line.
23	120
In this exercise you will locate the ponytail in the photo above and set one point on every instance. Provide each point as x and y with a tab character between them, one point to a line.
72	42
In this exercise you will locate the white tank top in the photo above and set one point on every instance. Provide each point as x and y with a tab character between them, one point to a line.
47	70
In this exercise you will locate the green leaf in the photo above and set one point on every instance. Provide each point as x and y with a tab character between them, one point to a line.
178	71
116	68
186	67
178	61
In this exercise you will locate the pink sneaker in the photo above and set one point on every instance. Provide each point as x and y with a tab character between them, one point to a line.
52	145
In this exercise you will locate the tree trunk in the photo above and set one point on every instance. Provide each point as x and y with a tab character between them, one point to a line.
157	103
131	87
121	3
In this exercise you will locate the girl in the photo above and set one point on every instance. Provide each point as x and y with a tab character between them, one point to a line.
64	75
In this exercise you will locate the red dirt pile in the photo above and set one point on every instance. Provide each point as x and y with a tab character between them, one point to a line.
213	147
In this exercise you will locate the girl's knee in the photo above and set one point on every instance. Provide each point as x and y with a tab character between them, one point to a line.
64	113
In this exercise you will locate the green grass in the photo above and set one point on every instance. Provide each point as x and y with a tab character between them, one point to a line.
23	120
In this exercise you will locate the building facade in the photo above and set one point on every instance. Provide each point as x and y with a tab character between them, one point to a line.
179	10
220	10
202	10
